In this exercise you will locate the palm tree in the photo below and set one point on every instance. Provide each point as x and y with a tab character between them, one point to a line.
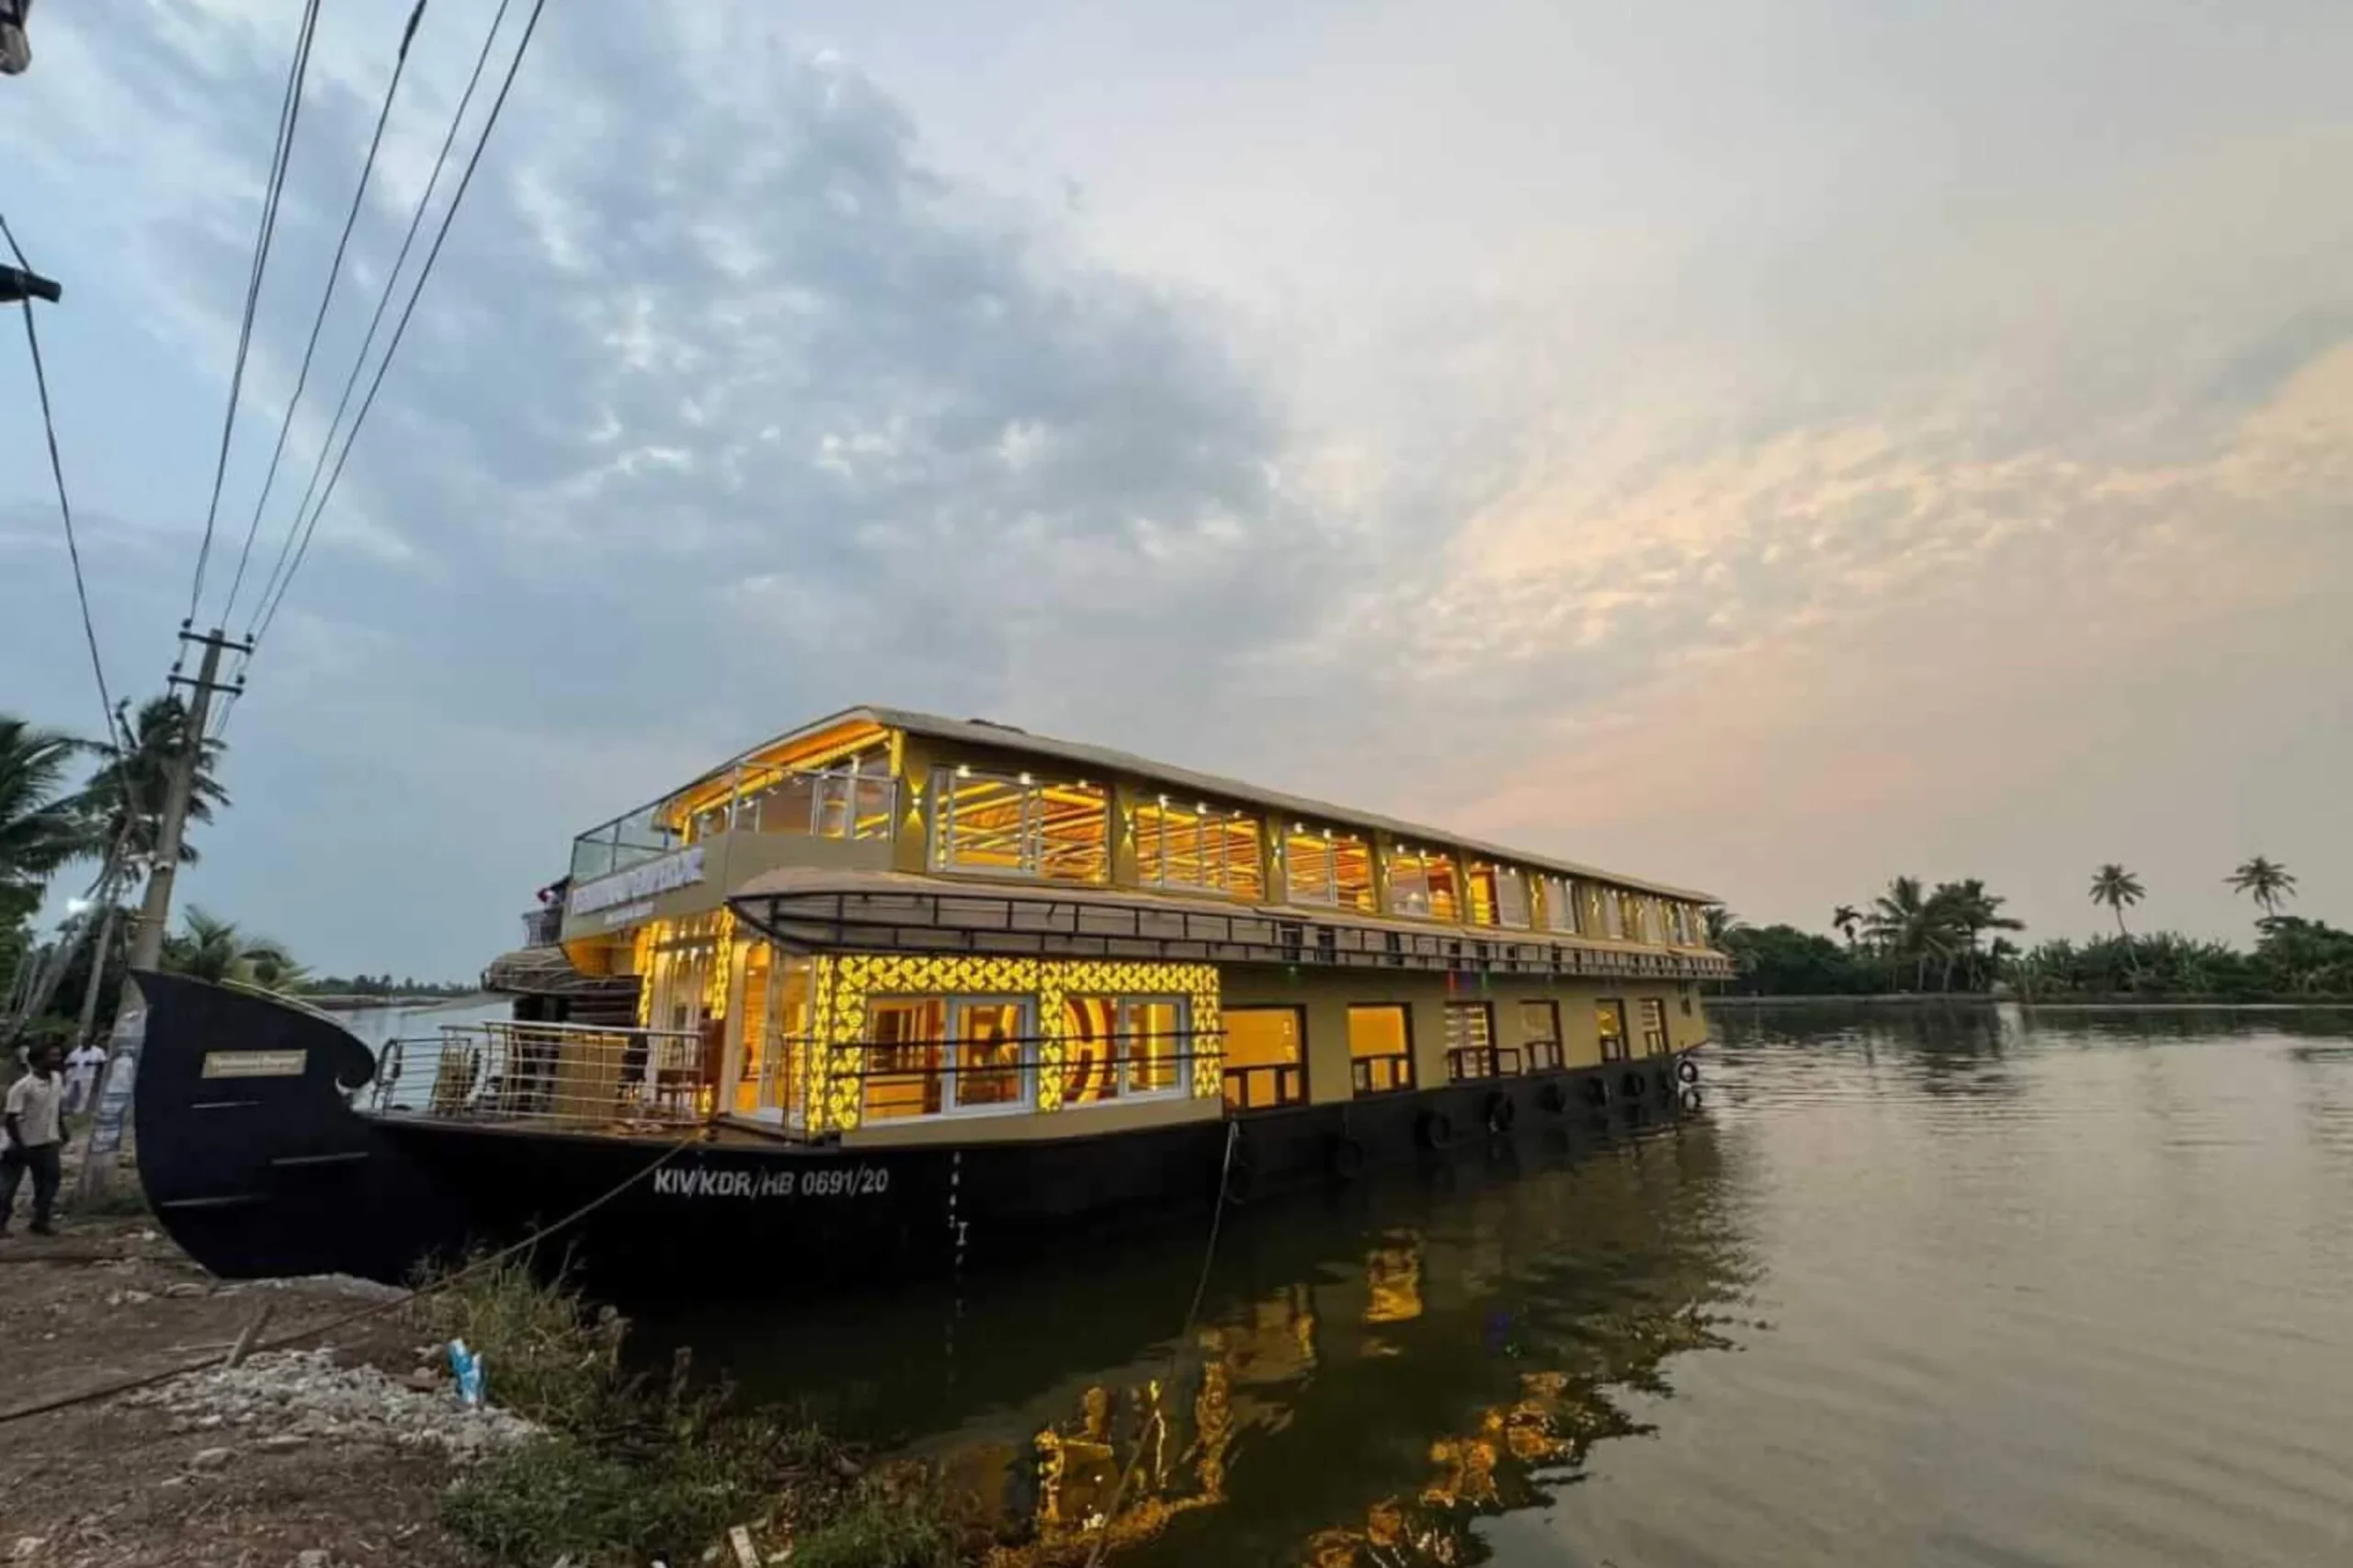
1843	919
2266	882
1975	911
213	949
125	794
2116	886
1908	924
1720	923
40	829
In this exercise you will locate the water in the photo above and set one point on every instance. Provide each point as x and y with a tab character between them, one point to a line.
1960	1289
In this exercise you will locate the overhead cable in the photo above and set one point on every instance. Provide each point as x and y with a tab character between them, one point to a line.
290	113
296	544
326	298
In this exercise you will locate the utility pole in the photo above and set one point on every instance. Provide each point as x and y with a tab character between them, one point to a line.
155	909
98	967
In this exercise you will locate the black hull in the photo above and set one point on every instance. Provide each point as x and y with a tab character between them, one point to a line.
277	1176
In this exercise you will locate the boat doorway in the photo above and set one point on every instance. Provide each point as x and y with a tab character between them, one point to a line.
768	1037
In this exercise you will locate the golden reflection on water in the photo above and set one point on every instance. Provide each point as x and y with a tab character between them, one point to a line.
1051	1505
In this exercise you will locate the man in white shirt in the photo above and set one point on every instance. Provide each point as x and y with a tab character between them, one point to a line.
83	1065
31	1139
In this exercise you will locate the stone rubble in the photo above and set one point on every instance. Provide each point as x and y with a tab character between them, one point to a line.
282	1398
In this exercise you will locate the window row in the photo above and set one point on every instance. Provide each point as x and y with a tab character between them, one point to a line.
950	1055
1266	1048
1018	825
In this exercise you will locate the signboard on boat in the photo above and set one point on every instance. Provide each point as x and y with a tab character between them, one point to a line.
650	879
254	1063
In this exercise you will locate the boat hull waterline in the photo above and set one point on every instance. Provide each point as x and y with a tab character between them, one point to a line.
255	1163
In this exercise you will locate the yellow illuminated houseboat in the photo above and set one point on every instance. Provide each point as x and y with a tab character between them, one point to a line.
912	990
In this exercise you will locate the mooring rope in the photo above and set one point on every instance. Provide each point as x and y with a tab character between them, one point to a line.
431	1287
1177	1352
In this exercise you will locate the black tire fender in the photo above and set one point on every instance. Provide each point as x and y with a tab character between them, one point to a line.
1554	1097
1502	1111
1632	1084
1437	1130
1687	1070
1348	1158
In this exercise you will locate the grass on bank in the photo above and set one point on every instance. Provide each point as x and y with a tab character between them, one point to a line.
632	1468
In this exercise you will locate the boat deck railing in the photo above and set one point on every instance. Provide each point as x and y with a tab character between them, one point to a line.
568	1074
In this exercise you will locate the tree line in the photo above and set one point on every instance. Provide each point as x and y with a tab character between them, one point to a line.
69	805
1955	937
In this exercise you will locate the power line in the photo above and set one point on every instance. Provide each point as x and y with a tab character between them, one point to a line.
326	298
290	113
425	272
64	504
375	322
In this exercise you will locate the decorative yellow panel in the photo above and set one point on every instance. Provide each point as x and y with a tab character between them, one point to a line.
844	984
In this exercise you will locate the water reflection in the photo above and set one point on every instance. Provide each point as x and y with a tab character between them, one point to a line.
1370	1373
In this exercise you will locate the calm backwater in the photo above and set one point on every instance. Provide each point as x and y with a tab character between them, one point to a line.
1965	1287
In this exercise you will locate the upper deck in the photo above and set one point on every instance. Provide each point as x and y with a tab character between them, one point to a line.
884	796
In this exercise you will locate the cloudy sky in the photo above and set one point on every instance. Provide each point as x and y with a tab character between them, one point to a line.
1767	447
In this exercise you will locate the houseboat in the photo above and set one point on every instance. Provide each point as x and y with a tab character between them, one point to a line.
897	992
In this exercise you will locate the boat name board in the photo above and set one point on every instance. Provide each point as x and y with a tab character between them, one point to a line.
256	1064
827	1181
681	869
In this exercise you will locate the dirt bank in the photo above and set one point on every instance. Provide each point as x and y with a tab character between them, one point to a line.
184	1480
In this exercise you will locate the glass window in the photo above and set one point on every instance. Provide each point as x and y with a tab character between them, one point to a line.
1018	827
1197	846
1325	868
1654	1026
1648	918
1131	1045
1498	896
1470	1042
1381	1049
1265	1062
1609	1020
904	1038
1425	883
1611	913
931	1056
1557	896
1539	1034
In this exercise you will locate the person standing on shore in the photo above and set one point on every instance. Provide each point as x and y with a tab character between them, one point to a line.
82	1066
30	1139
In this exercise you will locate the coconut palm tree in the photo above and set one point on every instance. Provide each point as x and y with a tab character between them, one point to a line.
126	792
1974	912
1907	923
40	827
1843	919
2266	882
210	948
2116	886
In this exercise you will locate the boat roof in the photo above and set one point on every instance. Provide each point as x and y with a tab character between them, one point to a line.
1106	759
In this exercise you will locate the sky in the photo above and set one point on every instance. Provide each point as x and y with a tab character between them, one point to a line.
1765	448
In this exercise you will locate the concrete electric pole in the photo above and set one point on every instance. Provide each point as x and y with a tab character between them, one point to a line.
156	908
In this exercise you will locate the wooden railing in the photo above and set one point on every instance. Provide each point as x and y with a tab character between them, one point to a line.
1265	1085
1382	1075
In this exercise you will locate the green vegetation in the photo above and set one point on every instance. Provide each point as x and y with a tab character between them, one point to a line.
629	1471
1912	940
